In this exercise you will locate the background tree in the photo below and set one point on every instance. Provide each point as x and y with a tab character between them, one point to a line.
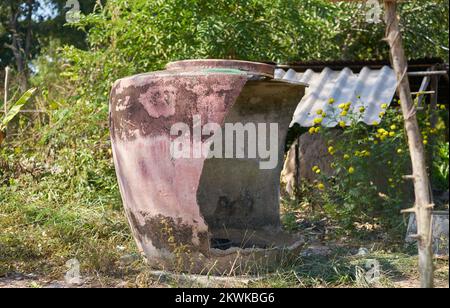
27	25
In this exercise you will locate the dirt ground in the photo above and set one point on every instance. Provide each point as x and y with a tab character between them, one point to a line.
321	266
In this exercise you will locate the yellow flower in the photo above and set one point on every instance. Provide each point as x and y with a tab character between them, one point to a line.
399	151
342	124
362	109
319	111
315	168
341	106
318	171
346	156
317	130
381	114
331	101
425	142
391	180
375	123
393	127
365	153
344	113
384	106
351	170
321	186
391	134
331	150
312	130
318	120
442	107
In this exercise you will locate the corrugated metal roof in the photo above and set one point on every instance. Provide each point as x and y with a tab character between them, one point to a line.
356	65
369	88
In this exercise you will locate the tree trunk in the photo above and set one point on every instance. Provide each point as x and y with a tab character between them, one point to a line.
29	34
17	45
423	207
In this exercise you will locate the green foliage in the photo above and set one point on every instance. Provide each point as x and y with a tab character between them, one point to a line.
423	28
361	196
366	190
59	197
15	108
441	165
129	37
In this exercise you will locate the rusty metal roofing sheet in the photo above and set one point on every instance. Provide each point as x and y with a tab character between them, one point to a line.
369	88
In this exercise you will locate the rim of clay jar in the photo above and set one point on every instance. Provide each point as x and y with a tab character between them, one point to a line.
255	68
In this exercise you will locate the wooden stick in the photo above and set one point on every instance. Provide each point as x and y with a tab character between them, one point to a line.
5	105
29	111
423	87
428	73
432	110
421	93
416	148
434	101
297	169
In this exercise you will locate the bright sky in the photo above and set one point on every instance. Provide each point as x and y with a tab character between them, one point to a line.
46	9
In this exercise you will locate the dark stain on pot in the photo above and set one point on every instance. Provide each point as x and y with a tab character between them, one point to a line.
152	111
233	210
170	234
143	168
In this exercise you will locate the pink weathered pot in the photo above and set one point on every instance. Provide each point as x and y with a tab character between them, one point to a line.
201	214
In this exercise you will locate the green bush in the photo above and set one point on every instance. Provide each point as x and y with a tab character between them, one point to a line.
367	190
440	166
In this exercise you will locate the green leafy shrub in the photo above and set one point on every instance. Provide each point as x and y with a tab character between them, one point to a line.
440	165
367	190
14	111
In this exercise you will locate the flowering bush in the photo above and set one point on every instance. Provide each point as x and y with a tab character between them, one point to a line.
367	189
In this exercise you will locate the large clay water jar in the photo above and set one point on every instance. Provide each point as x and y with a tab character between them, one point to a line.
197	213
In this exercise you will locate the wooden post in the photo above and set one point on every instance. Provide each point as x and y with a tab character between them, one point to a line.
5	101
434	101
433	114
297	169
423	207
